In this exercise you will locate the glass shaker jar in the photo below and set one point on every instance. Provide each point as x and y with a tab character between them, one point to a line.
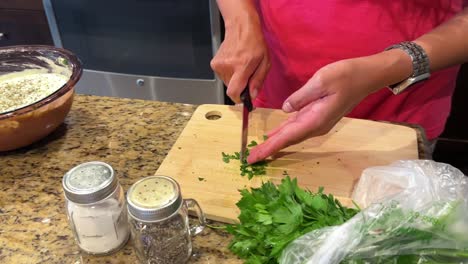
158	218
95	204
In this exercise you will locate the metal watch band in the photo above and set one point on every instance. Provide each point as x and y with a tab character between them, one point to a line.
420	61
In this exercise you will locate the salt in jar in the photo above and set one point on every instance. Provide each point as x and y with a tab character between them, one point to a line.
95	204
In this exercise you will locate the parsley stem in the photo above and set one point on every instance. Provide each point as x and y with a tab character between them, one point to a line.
216	227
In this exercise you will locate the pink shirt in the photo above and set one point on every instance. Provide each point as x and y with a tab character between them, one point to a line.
305	35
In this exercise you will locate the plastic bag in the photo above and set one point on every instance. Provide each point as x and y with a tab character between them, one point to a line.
417	212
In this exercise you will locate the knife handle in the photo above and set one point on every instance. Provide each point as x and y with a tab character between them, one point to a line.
246	99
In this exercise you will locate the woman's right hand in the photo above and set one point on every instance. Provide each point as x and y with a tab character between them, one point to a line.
242	57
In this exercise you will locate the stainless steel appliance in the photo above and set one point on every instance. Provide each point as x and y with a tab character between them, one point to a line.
145	49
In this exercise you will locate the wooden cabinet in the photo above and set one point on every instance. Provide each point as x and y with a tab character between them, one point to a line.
23	27
23	22
21	4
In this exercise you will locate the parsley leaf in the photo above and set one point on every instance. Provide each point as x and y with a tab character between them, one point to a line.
227	158
252	144
273	216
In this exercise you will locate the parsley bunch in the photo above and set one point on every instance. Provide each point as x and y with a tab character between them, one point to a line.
273	216
250	170
403	236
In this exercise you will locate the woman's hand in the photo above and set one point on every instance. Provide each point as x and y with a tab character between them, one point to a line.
330	94
242	57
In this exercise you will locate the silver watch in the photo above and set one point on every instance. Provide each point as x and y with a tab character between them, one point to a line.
420	65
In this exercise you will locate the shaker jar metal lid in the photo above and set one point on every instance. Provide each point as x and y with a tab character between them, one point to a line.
89	182
154	198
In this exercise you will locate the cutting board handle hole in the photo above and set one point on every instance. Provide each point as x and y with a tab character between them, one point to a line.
213	115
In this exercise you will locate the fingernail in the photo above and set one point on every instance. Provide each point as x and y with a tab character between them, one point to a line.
287	107
254	94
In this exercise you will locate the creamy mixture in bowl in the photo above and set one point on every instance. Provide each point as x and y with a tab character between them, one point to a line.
32	83
25	89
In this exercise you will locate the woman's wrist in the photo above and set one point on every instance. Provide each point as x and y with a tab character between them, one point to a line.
393	66
243	22
238	13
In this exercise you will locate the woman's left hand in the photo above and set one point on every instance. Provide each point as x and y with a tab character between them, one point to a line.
329	95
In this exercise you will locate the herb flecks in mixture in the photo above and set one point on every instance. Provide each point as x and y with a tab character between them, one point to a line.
246	169
20	91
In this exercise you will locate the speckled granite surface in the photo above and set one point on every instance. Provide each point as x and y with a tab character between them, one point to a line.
133	136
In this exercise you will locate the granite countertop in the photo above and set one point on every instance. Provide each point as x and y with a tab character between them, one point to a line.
133	136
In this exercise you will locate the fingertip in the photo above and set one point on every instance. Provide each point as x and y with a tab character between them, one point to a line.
254	93
258	77
236	86
251	160
255	155
254	88
232	93
287	107
214	64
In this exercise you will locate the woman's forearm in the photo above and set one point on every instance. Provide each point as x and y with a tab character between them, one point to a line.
238	12
242	59
447	45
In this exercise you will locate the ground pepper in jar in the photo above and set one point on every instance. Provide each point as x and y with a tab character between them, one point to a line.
158	218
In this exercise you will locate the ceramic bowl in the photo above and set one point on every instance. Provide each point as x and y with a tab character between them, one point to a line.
25	125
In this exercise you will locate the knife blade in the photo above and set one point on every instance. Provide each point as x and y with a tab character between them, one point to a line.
248	107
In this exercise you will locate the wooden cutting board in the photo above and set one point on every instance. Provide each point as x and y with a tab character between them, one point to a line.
334	161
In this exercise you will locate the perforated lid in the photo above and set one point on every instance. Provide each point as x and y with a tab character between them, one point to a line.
154	198
89	182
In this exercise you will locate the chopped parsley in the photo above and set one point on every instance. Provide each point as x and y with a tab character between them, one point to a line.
246	169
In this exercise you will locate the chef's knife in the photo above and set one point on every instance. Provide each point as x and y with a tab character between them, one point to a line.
248	107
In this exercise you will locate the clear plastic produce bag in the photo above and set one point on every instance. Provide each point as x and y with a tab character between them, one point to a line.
416	211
